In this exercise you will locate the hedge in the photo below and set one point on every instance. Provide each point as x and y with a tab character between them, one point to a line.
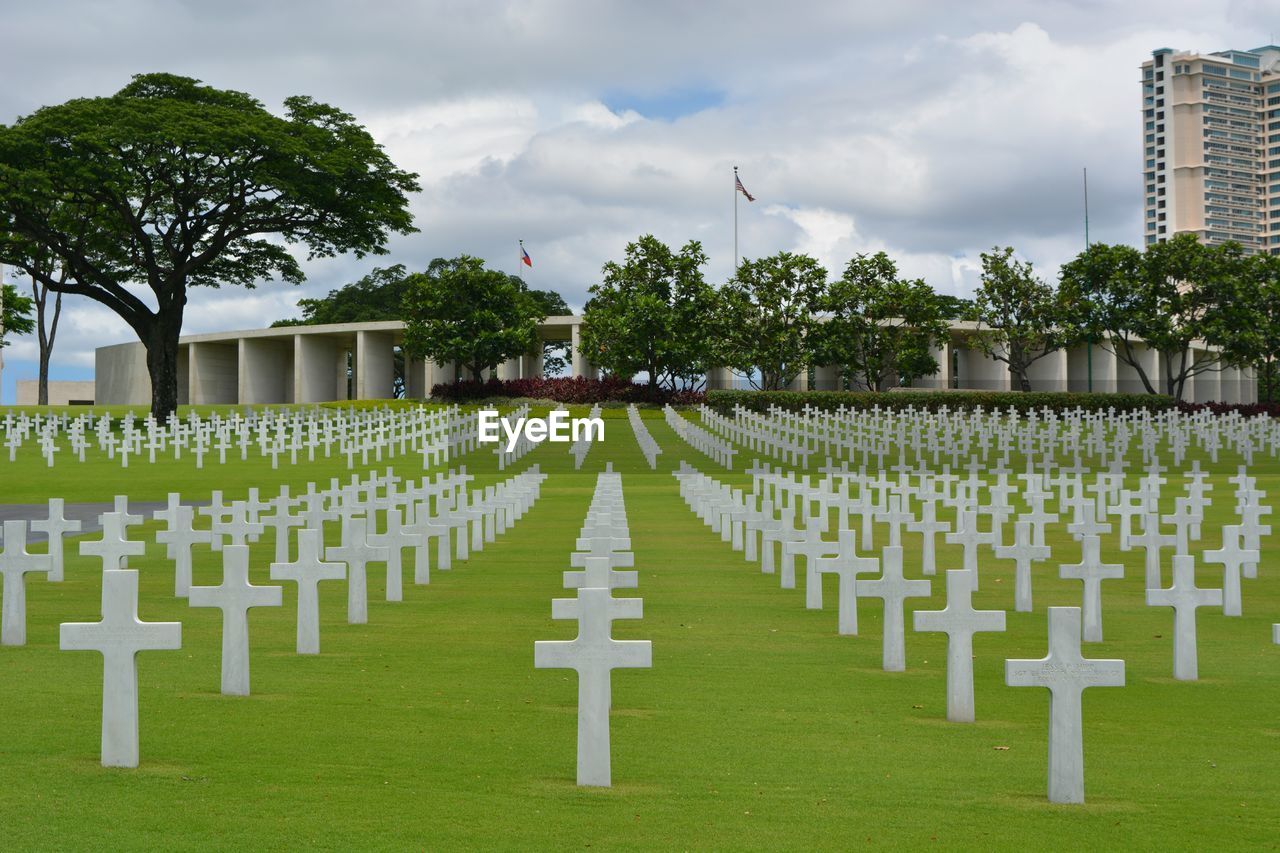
794	401
1247	410
563	390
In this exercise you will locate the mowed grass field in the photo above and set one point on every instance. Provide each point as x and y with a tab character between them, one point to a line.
757	727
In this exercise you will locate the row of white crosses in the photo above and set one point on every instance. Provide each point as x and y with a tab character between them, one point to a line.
582	446
1064	671
760	434
365	435
523	444
858	435
648	446
601	562
409	522
700	439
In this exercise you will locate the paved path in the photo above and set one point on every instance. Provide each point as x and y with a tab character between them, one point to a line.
87	513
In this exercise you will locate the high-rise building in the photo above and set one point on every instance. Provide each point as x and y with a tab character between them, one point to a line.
1211	146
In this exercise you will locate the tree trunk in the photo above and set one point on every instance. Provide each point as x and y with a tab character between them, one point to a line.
43	393
161	341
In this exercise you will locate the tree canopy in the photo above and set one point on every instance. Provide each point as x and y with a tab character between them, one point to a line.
1021	318
653	312
458	311
15	313
170	184
770	316
1172	295
880	327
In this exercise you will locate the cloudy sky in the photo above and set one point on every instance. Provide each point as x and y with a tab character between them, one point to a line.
932	130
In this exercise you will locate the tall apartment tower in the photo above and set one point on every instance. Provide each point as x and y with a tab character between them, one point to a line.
1211	146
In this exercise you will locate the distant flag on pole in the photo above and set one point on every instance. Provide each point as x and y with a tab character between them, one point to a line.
524	257
741	188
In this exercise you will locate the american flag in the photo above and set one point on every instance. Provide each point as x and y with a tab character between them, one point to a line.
738	182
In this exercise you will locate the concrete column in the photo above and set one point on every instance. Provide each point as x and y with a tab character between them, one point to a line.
941	379
1127	379
1103	368
720	379
509	369
184	374
579	365
1248	385
980	372
374	365
215	373
265	370
315	358
826	378
1049	373
1208	385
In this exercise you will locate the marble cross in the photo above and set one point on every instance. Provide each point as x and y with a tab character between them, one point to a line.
594	654
1152	540
119	637
597	571
846	566
959	621
1233	559
114	546
928	527
1092	572
307	572
893	589
15	564
54	527
812	547
394	540
1185	598
1066	674
178	540
234	596
357	553
1023	553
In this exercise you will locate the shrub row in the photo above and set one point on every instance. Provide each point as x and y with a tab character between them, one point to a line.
794	401
563	390
1247	410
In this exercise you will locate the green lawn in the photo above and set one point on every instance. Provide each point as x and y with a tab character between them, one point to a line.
757	727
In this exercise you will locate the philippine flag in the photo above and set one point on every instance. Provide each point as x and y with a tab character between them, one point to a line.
524	257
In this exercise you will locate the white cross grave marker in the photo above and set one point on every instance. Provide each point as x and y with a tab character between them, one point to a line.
234	596
959	621
119	637
1185	598
15	563
893	589
1092	572
594	654
307	571
1066	674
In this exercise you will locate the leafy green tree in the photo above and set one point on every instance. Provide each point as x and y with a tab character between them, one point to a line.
1256	344
1172	296
376	296
477	318
653	312
769	316
881	327
15	313
954	307
170	184
1020	318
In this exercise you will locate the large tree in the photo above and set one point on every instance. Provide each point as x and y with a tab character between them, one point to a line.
770	314
1256	344
170	184
15	313
1171	298
370	298
880	327
458	311
653	312
1020	318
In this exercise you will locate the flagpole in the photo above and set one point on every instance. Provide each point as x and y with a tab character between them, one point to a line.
520	263
735	222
